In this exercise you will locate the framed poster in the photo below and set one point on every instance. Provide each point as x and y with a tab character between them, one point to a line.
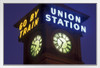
52	33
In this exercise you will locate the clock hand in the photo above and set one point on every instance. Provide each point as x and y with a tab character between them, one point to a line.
62	42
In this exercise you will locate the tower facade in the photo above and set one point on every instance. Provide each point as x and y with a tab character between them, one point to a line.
51	34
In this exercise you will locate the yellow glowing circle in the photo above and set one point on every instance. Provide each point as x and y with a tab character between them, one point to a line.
62	42
36	45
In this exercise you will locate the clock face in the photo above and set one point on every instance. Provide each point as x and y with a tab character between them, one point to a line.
62	42
36	45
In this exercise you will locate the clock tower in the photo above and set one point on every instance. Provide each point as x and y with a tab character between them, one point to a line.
51	34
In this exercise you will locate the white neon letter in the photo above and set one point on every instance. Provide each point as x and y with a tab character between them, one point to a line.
77	19
60	13
53	11
71	17
60	22
76	26
66	23
71	25
83	29
48	17
54	19
65	15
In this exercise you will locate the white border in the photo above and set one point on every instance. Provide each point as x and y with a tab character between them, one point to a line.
98	34
48	1
1	33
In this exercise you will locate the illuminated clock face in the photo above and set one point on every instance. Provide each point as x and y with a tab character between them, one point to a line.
36	45
62	42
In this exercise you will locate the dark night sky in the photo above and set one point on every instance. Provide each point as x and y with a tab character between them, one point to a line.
13	50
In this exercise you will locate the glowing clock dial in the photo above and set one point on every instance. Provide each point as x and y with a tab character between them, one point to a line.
62	42
36	45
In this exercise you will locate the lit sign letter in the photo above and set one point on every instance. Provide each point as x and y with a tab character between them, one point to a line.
20	34
78	19
71	17
25	23
76	26
48	17
65	15
36	22
83	29
24	31
36	13
21	26
66	23
53	11
60	22
54	19
71	25
32	17
60	13
29	27
32	24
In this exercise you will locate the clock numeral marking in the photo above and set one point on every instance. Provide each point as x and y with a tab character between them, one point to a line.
64	50
38	37
57	36
31	50
57	47
34	39
38	49
33	42
31	46
67	49
68	42
64	36
54	42
37	52
61	35
69	46
40	44
60	49
40	40
32	54
67	38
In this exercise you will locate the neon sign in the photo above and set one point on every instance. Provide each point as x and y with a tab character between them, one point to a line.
26	26
65	19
